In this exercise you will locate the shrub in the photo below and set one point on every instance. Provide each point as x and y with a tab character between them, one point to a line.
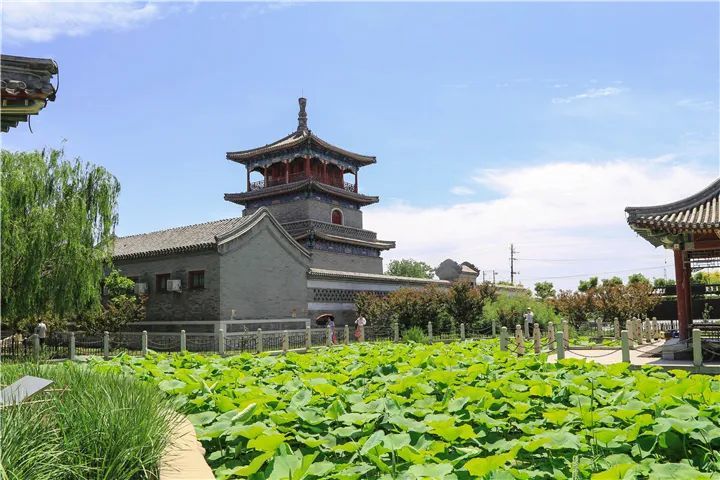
415	334
508	311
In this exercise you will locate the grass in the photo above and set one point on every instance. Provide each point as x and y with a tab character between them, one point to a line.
89	426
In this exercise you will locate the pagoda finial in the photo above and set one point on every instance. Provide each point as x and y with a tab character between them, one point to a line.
302	116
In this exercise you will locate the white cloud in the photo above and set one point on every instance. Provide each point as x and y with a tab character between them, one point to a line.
567	217
560	85
590	93
45	21
695	104
461	190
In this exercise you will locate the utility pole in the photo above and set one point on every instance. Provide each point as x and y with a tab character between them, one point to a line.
512	264
494	273
483	272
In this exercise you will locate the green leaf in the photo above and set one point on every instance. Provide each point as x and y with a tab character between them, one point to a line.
480	467
267	442
202	418
432	471
395	441
373	441
676	471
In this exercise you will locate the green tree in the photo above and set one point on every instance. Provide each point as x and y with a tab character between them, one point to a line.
544	290
612	281
120	305
508	310
588	284
707	278
58	218
638	278
407	267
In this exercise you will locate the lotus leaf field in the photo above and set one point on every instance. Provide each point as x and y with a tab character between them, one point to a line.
455	411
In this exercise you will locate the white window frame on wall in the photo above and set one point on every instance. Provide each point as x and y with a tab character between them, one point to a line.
342	216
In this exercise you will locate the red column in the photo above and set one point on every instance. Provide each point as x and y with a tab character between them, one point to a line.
324	174
248	178
266	176
287	172
356	181
307	167
688	287
683	291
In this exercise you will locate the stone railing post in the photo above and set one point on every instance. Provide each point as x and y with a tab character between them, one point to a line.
616	323
697	347
600	331
462	332
625	343
566	334
144	343
71	346
347	334
362	333
396	332
656	331
430	332
560	340
36	347
106	345
503	339
285	341
638	331
493	329
259	340
328	336
308	337
221	341
551	336
648	331
630	327
519	340
536	337
183	341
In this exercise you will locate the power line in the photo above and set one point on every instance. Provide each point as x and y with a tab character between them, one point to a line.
596	273
512	264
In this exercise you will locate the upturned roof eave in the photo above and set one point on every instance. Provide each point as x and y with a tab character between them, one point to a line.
686	203
243	197
306	137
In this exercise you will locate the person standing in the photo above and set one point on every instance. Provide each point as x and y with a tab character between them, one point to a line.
41	332
529	321
359	322
331	326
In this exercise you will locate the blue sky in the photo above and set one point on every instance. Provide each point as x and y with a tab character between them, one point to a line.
492	123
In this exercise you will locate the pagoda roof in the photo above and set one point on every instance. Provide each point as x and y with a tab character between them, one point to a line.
696	213
300	139
25	87
309	183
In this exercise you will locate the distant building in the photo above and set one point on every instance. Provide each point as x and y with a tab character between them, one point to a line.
25	88
299	249
452	271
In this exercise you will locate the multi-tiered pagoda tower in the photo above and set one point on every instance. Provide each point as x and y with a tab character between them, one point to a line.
303	185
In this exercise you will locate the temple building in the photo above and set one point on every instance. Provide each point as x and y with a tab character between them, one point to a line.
298	250
691	229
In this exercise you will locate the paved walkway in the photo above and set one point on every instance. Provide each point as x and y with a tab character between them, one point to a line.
642	355
184	459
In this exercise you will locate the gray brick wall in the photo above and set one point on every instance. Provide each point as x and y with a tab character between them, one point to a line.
317	210
262	276
346	262
189	304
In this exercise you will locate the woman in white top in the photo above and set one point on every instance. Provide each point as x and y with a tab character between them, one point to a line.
360	321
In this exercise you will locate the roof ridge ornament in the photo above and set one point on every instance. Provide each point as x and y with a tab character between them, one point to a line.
302	115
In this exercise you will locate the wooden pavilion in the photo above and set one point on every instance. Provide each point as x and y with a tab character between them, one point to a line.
691	228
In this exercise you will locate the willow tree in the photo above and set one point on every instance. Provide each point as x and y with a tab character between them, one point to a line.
58	221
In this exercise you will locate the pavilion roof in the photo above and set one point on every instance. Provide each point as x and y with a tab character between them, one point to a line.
25	87
301	139
303	185
696	213
375	277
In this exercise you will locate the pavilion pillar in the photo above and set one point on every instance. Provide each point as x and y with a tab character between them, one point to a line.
355	181
324	174
307	167
248	178
266	176
683	293
287	172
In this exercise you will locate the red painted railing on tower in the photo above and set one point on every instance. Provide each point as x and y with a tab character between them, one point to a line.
299	177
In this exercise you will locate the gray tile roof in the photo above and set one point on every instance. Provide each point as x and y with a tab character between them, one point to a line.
175	240
379	277
697	212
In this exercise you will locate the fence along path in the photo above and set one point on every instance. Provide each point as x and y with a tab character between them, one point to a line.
70	345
